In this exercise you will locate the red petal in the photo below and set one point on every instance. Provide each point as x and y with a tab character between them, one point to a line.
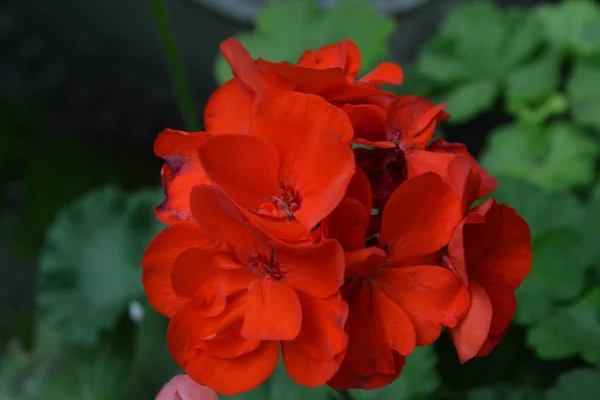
488	182
190	327
323	322
317	270
377	329
229	344
349	92
385	73
378	144
424	292
348	378
359	188
180	173
306	370
353	60
242	64
504	303
458	308
456	247
344	55
419	162
307	80
273	312
245	167
311	137
396	329
158	260
315	355
209	275
470	334
464	179
501	245
368	120
363	262
290	120
348	224
413	120
219	218
419	217
229	108
230	376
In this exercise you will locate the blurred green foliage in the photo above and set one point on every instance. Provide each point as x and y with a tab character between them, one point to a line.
533	74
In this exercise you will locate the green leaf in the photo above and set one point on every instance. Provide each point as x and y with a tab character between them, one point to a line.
558	156
56	371
437	62
503	393
556	276
470	69
572	26
479	50
284	30
573	330
554	105
101	373
534	81
592	226
583	89
535	205
578	384
470	99
418	379
524	39
90	264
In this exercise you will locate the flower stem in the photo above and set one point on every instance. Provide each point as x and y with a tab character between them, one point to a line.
175	66
344	394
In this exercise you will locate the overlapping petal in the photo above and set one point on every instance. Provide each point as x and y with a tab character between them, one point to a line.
180	173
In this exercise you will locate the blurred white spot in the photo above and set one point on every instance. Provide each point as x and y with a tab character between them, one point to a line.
136	311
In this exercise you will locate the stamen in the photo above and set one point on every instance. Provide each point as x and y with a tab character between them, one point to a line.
282	206
266	266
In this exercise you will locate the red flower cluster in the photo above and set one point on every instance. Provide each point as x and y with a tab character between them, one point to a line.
282	238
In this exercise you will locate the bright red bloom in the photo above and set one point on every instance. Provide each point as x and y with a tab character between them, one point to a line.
233	294
273	244
398	297
491	252
292	169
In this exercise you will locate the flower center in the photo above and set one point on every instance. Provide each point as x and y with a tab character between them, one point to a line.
263	266
282	206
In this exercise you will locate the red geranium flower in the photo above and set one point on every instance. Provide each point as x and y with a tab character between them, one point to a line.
491	252
233	295
398	296
283	237
291	170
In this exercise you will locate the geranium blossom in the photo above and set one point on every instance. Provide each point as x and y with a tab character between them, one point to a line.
284	241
